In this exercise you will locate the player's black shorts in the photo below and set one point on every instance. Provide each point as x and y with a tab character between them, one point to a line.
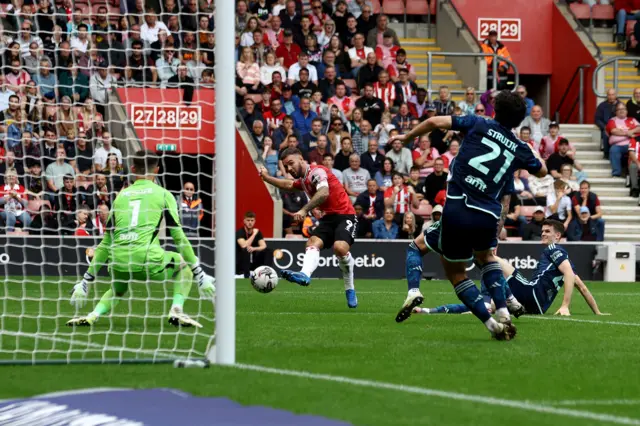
530	294
336	227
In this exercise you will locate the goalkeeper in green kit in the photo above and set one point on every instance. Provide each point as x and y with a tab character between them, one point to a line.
132	246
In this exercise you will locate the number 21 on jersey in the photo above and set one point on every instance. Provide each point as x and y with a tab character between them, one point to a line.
478	162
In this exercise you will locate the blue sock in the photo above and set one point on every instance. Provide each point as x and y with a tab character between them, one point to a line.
413	266
495	283
449	309
467	291
507	292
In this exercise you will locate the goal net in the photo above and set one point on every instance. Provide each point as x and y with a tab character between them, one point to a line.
100	109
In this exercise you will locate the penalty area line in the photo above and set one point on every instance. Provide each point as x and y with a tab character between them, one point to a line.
486	400
539	317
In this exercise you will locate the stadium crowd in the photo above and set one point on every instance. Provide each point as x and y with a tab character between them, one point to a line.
59	166
332	79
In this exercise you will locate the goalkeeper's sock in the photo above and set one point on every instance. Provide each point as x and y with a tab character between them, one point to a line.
449	309
181	288
106	304
310	261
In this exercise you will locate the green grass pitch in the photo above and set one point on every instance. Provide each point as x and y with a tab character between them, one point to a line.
586	364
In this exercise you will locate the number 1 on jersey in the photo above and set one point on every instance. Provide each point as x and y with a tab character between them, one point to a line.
135	212
477	162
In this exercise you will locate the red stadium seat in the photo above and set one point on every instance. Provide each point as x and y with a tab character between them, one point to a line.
602	11
418	7
433	6
376	7
393	7
582	11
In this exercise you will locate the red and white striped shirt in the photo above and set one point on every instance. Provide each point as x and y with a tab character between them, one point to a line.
386	93
402	201
345	104
407	92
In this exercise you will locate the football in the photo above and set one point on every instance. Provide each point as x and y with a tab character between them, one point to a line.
264	279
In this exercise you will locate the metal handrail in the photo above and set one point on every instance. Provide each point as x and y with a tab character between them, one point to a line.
587	33
496	58
464	25
615	60
579	100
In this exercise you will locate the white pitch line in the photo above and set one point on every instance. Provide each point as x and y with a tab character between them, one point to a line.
578	402
486	400
628	324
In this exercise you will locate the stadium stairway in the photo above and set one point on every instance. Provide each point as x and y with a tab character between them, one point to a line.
620	211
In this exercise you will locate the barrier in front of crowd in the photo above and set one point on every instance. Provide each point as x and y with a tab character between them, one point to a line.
56	257
598	79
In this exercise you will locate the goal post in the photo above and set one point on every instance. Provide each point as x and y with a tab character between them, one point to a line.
41	268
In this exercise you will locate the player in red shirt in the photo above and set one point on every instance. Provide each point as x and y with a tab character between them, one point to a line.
337	227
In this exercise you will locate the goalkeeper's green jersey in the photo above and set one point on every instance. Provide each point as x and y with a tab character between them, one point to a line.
131	241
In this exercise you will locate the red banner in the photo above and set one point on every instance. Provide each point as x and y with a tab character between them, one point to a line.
163	122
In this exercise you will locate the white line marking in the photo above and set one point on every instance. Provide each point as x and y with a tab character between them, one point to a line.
315	313
628	324
487	400
340	292
578	402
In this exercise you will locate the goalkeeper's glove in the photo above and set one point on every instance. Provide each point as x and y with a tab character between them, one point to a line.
206	283
80	290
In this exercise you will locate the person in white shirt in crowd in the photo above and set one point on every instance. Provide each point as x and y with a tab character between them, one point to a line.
101	84
269	67
401	157
102	154
25	38
355	178
80	44
559	204
5	93
358	54
167	65
538	124
468	106
149	30
303	62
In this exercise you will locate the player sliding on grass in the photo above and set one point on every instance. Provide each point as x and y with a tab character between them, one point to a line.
533	297
132	246
337	228
473	212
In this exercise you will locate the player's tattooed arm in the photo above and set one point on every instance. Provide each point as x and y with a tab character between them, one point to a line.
318	198
284	184
506	200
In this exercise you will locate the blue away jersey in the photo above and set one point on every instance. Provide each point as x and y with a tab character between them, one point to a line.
488	156
548	274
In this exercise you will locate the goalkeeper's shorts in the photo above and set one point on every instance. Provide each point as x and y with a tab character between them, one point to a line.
168	269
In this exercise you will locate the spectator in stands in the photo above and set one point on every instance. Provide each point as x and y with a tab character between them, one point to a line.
361	139
310	140
99	222
559	204
56	171
304	88
424	156
435	182
246	38
549	143
49	147
538	124
402	120
532	231
316	155
275	116
313	50
401	197
328	31
355	177
386	51
626	10
566	176
10	163
25	38
74	84
99	193
419	105
369	72
5	93
386	228
301	33
268	68
400	64
101	84
302	63
80	224
521	188
405	88
605	111
68	199
586	198
415	181
44	223
303	117
327	161
541	187
289	16
384	176
242	15
384	89
248	71
140	68
372	160
444	105
341	159
102	154
167	65
10	115
621	129
633	105
349	33
292	202
283	133
14	202
359	54
32	61
80	43
452	152
258	134
409	229
149	30
491	45
336	135
84	156
36	182
469	104
342	100
383	130
557	159
371	106
115	174
249	113
191	210
328	85
436	215
269	156
522	92
401	157
634	167
583	228
372	201
288	53
375	36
